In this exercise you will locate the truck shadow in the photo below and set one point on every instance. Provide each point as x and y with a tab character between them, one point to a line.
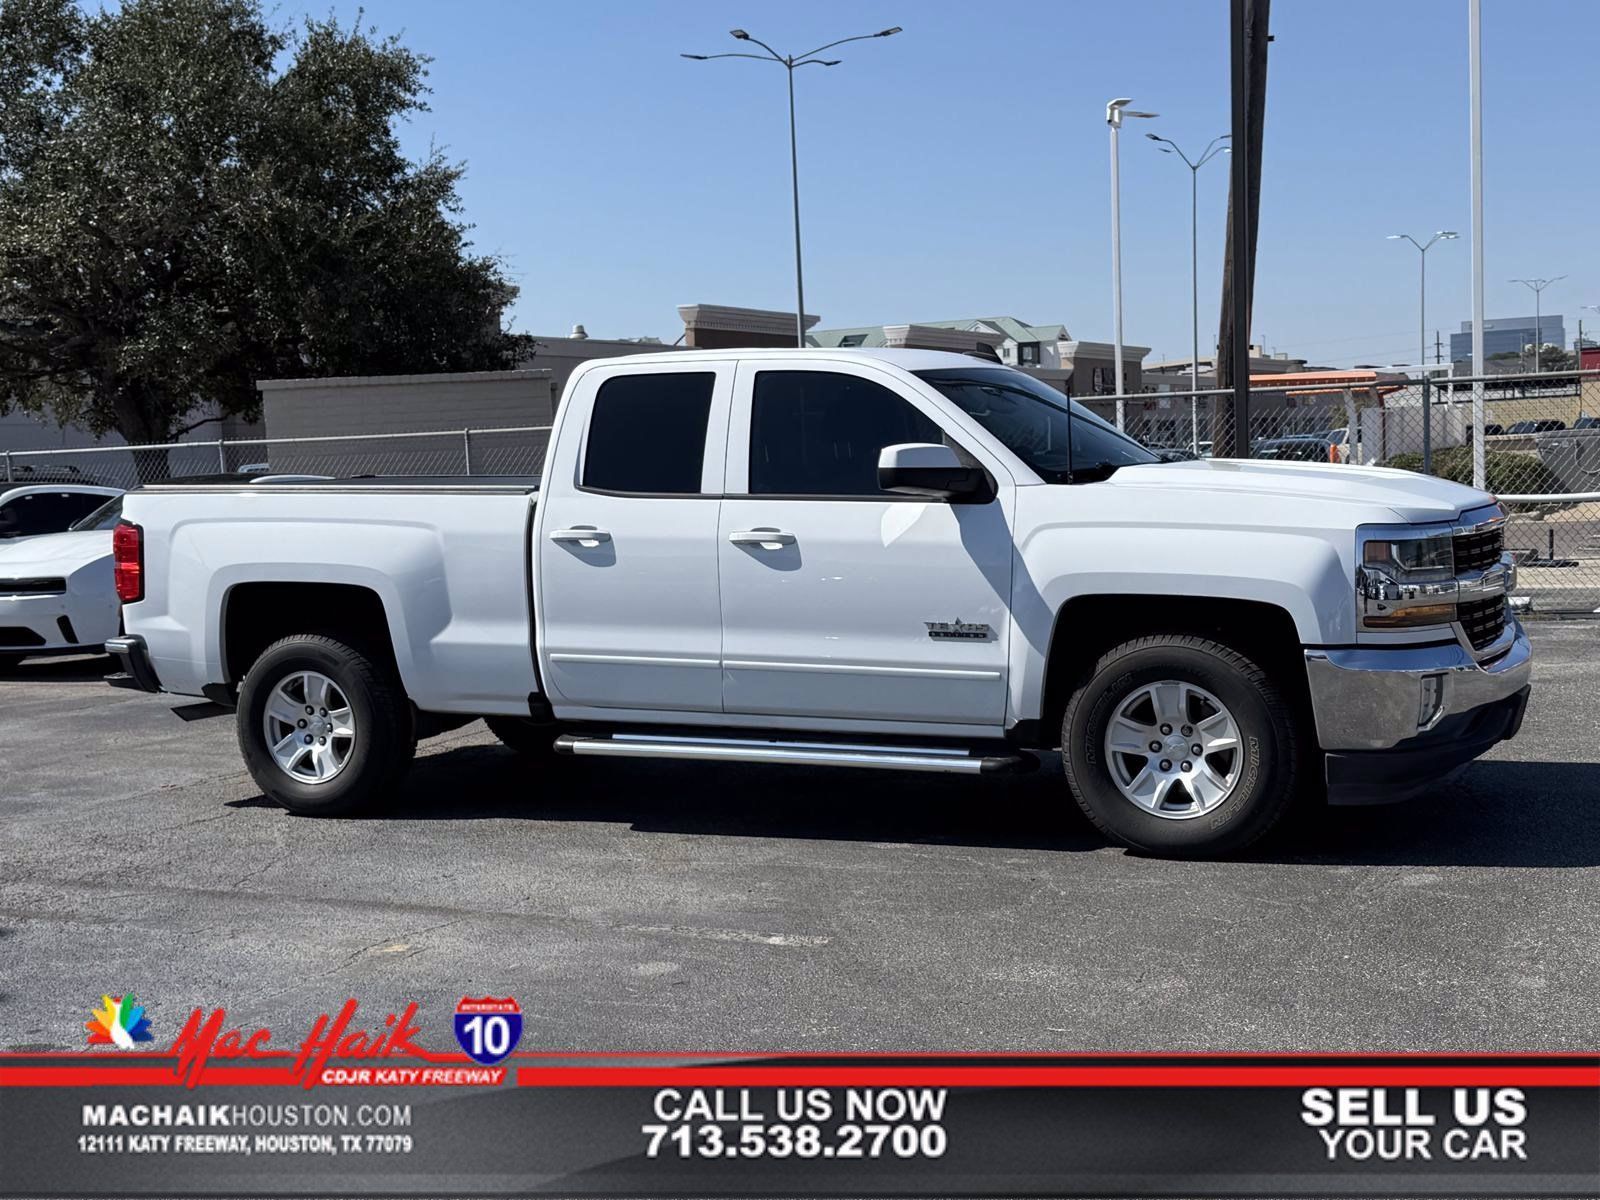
1506	814
78	668
740	800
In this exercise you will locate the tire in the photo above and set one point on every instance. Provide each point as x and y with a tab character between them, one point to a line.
360	769
536	742
1211	820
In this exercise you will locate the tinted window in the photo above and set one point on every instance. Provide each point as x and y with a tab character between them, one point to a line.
45	512
648	433
816	433
104	517
1031	419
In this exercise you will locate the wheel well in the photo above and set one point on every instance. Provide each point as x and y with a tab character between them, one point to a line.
254	615
1088	626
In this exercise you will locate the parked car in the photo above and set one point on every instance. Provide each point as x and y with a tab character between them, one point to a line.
1542	425
1300	447
872	558
27	510
30	473
56	590
1587	423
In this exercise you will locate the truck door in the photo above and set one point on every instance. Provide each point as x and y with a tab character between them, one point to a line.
626	539
839	599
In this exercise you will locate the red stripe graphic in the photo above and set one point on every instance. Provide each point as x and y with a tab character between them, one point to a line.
1467	1074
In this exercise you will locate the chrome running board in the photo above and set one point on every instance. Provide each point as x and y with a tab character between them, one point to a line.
811	754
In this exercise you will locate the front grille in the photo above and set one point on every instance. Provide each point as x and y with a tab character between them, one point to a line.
1480	550
32	587
1482	620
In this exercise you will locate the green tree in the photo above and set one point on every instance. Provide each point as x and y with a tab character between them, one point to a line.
191	200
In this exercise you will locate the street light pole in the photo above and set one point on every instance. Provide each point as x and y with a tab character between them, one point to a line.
1168	146
1444	235
1538	286
790	62
1116	110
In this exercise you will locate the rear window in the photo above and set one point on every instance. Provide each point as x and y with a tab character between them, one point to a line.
647	433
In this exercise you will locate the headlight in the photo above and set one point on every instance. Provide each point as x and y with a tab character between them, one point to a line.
1405	578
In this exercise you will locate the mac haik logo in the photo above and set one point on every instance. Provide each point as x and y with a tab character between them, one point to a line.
958	630
206	1036
119	1022
488	1029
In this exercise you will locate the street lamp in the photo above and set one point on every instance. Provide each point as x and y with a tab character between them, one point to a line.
790	62
1444	235
1116	110
1214	148
1538	286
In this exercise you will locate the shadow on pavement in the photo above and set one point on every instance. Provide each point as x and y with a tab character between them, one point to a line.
79	668
750	801
1494	814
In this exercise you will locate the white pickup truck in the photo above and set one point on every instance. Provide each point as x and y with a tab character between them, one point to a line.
896	559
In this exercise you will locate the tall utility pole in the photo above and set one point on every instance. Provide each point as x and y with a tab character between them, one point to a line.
1214	148
1538	286
1444	235
1475	136
1249	37
793	61
1116	110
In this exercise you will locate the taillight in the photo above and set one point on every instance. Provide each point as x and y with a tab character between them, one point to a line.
127	557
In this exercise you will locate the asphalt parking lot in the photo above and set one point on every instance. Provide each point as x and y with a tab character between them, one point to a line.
687	907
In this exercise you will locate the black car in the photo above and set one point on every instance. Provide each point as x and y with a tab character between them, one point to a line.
1542	425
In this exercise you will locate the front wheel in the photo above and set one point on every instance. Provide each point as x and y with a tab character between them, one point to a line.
1180	746
325	730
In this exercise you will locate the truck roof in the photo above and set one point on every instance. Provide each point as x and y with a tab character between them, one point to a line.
910	360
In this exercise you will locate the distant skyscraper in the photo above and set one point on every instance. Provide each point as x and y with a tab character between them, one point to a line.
1507	334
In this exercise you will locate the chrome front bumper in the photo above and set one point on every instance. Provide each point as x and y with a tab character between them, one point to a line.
1375	697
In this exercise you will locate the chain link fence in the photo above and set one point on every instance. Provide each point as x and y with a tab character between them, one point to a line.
517	450
1541	453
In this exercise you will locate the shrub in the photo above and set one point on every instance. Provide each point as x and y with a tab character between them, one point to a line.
1503	471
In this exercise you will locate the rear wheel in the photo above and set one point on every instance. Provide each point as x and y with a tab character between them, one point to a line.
524	736
325	729
1180	746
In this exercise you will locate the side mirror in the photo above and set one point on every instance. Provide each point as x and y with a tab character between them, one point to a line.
930	471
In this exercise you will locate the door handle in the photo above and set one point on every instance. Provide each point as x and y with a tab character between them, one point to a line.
583	535
765	538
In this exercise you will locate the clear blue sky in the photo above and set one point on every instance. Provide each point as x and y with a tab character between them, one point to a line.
960	168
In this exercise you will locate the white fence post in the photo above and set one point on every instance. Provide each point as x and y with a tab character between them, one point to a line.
466	448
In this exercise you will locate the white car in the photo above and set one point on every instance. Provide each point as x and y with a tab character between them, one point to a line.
56	589
30	509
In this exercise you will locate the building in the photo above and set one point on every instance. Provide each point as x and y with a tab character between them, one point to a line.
1079	368
1509	335
1172	375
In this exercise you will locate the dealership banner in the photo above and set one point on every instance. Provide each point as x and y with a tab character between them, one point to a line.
456	1103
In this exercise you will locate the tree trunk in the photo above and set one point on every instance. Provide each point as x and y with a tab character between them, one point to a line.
136	420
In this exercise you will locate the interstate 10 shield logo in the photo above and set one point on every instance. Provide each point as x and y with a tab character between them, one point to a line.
488	1029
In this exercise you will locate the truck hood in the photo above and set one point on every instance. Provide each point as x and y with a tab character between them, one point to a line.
1410	496
53	553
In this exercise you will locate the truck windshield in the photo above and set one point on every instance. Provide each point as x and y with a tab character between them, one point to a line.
1031	419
